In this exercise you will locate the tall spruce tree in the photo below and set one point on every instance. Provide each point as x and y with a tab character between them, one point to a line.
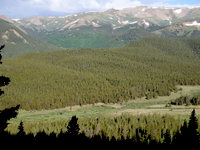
193	134
21	129
73	127
167	138
3	80
8	113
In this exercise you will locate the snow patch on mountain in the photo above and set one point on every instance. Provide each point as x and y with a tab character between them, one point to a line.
16	19
125	22
116	28
194	23
134	22
110	18
143	9
145	23
95	24
50	17
178	11
119	21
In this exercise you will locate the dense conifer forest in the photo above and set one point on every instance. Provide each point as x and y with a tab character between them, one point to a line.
187	100
148	68
141	74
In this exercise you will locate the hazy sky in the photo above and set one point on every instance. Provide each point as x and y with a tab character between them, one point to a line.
30	8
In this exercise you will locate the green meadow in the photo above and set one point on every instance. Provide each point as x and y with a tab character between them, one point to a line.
42	119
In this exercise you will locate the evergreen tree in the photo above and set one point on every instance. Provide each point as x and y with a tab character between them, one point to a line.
3	80
2	46
21	130
193	135
167	137
73	127
8	113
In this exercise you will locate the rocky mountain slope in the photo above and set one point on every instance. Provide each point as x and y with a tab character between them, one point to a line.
17	40
113	28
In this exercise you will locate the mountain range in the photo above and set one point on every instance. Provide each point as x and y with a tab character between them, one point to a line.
111	28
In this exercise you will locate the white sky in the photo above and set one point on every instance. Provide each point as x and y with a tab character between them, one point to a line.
29	8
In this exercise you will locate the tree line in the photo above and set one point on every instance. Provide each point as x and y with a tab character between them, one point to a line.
187	135
187	100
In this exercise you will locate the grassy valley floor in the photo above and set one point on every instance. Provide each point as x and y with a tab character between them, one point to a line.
136	107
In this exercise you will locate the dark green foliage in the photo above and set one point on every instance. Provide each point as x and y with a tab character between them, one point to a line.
6	115
187	135
21	130
2	46
142	137
135	34
167	137
186	100
146	68
3	80
73	127
119	127
193	134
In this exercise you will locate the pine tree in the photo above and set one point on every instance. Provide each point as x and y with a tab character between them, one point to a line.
6	114
3	80
167	137
21	130
184	132
193	135
73	127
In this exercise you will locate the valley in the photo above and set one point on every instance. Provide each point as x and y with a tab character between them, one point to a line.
126	74
34	120
135	107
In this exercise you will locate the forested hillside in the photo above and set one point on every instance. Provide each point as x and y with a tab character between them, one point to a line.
147	67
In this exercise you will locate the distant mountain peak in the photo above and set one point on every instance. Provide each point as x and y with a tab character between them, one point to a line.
5	18
113	27
111	10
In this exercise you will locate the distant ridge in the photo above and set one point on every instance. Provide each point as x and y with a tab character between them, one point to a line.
114	28
18	42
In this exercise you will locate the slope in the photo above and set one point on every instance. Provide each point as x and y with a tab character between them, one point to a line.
113	28
149	67
18	42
